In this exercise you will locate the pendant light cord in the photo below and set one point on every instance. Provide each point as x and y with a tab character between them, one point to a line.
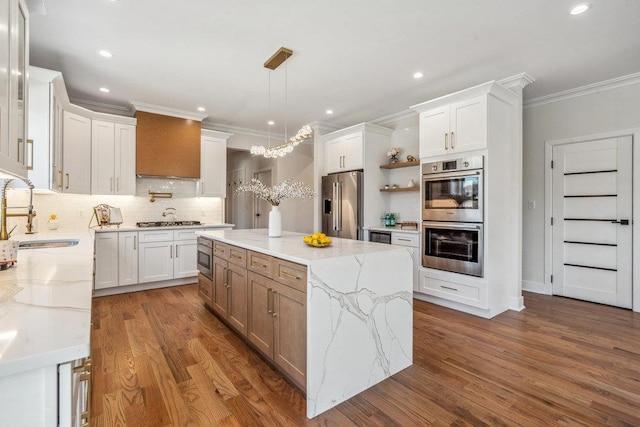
269	113
286	82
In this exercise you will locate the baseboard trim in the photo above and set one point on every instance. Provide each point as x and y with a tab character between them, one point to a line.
144	286
536	287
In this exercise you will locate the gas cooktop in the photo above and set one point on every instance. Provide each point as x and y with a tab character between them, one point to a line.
166	223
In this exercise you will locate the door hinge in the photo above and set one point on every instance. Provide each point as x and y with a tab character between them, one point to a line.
551	220
552	278
551	164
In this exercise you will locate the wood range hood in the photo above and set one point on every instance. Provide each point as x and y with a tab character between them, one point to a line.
167	146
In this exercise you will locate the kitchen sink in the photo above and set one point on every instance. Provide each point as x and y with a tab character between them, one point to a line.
54	243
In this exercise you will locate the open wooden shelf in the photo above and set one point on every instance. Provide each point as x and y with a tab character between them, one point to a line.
400	165
393	190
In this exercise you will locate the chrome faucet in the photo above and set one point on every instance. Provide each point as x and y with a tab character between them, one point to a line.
31	213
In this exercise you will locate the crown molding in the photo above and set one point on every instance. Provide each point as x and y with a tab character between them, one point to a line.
237	130
215	133
102	107
590	89
395	117
167	111
519	80
323	127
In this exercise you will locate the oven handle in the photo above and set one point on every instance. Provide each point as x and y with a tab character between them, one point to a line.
450	225
456	174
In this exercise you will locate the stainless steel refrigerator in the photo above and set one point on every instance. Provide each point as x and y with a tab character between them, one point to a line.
342	205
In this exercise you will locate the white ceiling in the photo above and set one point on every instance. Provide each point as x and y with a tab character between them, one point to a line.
356	57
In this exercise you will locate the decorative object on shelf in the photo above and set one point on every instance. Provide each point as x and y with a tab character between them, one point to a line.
411	184
275	195
53	223
305	131
106	216
393	154
386	187
389	219
317	240
411	158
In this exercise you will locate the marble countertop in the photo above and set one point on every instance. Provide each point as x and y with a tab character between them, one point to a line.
395	229
291	247
133	227
45	304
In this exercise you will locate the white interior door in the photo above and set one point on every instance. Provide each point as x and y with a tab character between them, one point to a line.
262	207
592	226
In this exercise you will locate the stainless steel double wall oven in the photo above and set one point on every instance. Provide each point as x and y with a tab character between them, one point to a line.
453	215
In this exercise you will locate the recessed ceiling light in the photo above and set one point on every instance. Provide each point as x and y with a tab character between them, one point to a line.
417	75
106	53
329	111
271	123
202	109
581	8
104	89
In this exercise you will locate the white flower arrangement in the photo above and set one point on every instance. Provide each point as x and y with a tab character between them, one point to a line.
278	193
393	154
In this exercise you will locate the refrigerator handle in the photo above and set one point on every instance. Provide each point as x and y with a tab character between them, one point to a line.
334	216
338	209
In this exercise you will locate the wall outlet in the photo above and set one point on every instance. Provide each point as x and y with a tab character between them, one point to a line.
531	204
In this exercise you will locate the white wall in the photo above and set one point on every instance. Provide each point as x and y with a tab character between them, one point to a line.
605	111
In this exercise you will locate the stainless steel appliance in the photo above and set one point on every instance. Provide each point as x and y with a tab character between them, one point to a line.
205	257
147	224
452	190
453	247
342	205
380	236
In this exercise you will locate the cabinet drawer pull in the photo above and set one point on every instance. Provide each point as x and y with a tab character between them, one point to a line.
134	242
446	141
228	285
404	240
236	256
269	301
171	251
257	264
111	184
30	164
118	184
284	273
68	180
61	178
453	144
449	288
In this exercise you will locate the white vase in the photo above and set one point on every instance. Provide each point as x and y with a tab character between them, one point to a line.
275	222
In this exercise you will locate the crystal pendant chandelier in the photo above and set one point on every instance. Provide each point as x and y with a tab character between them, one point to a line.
305	132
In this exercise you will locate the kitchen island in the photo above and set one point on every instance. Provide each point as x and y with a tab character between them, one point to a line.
357	297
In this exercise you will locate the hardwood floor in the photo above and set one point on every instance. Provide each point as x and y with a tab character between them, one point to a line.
160	358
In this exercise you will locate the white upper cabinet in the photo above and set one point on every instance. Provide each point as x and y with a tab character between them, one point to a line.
345	153
454	128
75	175
213	164
13	88
113	153
43	125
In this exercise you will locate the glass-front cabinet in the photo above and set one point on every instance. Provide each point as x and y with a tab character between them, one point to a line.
14	58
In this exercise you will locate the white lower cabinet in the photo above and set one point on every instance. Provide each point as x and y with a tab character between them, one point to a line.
127	258
411	241
106	260
155	261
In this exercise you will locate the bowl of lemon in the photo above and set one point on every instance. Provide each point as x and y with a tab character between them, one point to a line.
317	240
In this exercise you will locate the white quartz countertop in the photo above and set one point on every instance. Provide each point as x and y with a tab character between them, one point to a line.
291	247
45	304
133	227
395	229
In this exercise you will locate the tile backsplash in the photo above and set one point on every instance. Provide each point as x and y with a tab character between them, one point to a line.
74	211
